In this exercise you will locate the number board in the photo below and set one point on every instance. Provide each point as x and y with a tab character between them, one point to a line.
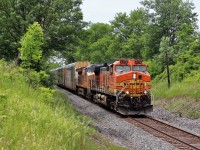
123	62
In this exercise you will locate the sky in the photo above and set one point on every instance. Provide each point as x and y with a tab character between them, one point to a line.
104	10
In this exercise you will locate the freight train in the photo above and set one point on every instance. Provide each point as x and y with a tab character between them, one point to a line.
123	86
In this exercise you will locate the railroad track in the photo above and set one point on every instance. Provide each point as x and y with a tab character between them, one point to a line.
178	137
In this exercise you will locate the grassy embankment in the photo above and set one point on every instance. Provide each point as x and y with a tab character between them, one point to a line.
40	118
183	98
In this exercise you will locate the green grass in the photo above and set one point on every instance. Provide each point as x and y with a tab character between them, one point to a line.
183	98
41	118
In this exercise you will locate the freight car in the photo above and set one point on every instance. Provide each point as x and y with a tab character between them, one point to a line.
66	76
123	85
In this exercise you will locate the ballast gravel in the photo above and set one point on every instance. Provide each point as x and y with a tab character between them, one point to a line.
124	134
192	126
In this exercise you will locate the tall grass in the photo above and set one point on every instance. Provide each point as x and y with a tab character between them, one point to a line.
39	118
178	89
182	98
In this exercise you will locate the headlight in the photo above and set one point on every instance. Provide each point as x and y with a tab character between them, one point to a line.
134	76
145	92
127	92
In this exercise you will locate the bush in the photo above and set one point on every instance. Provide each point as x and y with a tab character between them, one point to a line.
155	67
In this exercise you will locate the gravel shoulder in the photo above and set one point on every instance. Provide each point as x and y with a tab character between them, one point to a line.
125	134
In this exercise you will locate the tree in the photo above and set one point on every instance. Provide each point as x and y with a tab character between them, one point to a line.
120	24
186	35
95	43
98	31
31	50
31	46
166	17
133	47
188	58
101	52
128	31
61	21
137	25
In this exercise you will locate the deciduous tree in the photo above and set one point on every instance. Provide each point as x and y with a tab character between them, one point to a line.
61	21
169	15
31	51
31	46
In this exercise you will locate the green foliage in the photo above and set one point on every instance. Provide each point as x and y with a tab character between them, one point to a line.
101	53
120	24
183	98
165	47
98	31
151	39
139	34
95	45
46	94
31	53
133	47
31	46
155	67
61	21
166	18
3	105
188	87
123	38
187	35
130	31
188	58
40	119
178	47
187	66
164	15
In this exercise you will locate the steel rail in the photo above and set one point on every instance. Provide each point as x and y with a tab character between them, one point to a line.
172	138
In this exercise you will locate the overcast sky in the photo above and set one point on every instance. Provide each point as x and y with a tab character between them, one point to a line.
104	10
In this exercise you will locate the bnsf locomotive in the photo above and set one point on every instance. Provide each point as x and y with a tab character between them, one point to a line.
123	85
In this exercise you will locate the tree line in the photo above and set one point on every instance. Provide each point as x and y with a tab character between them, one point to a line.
164	33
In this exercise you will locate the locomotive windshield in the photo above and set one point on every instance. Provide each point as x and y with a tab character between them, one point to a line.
140	68
121	69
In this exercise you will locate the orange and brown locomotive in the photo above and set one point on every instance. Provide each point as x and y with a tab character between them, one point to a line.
123	85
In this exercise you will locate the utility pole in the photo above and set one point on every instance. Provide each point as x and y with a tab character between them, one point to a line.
168	73
165	48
